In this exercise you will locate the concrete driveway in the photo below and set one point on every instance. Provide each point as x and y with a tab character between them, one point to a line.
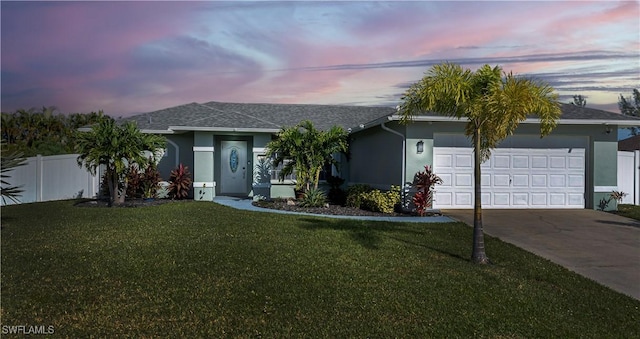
601	246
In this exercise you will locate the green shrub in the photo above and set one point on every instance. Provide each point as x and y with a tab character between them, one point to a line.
378	201
314	197
354	194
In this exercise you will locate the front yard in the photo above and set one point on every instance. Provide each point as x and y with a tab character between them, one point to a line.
193	269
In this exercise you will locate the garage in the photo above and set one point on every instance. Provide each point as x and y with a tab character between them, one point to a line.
512	177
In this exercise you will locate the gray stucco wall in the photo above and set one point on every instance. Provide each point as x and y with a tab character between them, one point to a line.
374	160
376	157
200	152
604	154
179	149
203	165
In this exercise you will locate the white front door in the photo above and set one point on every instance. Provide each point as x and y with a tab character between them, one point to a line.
512	178
233	167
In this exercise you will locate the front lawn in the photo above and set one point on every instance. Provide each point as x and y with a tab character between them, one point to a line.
194	269
629	211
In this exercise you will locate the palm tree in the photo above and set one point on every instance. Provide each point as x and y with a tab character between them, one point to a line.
116	147
631	106
288	149
10	128
323	145
492	103
305	150
9	161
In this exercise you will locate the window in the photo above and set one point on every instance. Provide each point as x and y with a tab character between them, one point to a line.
275	172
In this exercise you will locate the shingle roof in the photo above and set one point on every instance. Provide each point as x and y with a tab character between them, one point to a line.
629	144
257	116
272	117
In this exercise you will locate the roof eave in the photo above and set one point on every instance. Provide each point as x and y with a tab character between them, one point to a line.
157	131
223	129
370	124
622	123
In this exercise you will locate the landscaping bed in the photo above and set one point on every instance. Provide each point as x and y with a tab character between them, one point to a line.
330	209
127	203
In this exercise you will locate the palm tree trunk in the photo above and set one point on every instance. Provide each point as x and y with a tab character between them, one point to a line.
317	178
478	254
112	183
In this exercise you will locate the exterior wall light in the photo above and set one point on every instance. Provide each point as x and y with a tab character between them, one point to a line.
420	147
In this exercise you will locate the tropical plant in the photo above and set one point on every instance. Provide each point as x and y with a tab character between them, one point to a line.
424	181
116	147
313	197
631	107
306	150
8	162
150	179
618	195
180	182
134	182
492	104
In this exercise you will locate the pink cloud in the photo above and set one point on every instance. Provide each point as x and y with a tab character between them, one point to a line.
141	56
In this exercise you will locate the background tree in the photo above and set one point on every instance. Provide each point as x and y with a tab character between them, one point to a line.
305	150
579	100
116	147
631	107
30	132
492	103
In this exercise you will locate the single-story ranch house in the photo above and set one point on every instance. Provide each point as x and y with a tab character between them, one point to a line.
573	167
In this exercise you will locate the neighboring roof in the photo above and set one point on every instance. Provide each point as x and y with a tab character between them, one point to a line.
218	116
573	112
629	144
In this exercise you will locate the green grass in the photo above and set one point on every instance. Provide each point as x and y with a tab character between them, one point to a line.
195	269
629	211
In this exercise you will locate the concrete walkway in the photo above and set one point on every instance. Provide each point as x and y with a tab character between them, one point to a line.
246	204
601	246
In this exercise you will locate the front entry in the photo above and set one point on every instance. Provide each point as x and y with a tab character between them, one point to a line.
233	167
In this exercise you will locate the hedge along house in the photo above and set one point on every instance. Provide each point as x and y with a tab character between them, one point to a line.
573	167
222	143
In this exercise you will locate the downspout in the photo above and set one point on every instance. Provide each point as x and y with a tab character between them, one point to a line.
404	158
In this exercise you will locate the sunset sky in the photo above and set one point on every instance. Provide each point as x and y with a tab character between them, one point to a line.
133	57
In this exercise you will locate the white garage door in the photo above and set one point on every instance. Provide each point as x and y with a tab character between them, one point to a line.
512	178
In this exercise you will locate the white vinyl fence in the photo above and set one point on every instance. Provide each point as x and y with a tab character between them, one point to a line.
629	176
55	177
